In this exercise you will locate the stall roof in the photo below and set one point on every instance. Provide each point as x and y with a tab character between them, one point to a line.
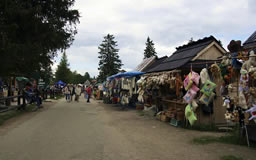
155	63
146	62
184	54
251	41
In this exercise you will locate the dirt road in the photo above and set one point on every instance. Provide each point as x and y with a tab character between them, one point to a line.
95	131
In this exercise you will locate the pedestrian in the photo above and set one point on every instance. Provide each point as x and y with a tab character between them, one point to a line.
67	93
89	92
73	91
78	93
37	97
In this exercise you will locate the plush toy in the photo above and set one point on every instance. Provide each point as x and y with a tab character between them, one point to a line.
208	88
228	116
252	111
251	62
225	61
226	102
242	101
216	71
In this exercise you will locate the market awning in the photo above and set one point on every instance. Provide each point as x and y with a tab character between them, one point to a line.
60	83
126	75
22	79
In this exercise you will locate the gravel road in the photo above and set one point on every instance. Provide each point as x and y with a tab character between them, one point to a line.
96	131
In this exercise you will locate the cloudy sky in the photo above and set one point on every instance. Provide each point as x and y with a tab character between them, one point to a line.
169	23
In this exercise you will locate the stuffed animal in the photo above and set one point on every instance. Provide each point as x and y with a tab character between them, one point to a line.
251	62
204	76
216	72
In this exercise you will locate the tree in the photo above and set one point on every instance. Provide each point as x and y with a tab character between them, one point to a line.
109	63
31	33
63	72
150	49
86	76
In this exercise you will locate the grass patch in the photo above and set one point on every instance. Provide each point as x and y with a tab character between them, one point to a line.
140	113
202	127
230	157
57	97
14	113
232	138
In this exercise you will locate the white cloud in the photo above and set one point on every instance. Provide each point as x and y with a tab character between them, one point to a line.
169	23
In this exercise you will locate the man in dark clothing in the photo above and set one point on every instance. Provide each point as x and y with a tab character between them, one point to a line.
89	92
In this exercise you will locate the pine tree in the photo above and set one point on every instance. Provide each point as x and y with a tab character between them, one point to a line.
150	49
109	63
63	72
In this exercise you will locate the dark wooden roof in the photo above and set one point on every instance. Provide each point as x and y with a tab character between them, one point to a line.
183	55
156	63
251	41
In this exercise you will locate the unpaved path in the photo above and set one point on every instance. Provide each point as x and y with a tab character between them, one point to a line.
96	131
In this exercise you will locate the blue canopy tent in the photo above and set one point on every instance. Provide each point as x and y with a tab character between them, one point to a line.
126	75
60	83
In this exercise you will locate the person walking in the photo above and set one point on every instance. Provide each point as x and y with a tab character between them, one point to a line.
73	91
89	92
78	92
67	93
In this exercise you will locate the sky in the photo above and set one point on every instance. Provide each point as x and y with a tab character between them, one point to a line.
169	23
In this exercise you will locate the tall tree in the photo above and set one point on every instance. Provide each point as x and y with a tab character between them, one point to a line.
150	49
109	63
86	76
63	72
31	33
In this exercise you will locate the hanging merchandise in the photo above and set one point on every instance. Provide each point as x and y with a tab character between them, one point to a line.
252	111
207	99
216	72
191	81
235	63
242	101
208	88
189	96
190	115
251	62
179	85
204	76
194	105
226	102
244	80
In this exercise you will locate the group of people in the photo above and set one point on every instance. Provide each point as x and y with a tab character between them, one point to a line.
71	90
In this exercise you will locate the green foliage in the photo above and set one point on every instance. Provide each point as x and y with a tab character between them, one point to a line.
63	72
232	138
150	49
31	33
230	157
109	63
203	127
